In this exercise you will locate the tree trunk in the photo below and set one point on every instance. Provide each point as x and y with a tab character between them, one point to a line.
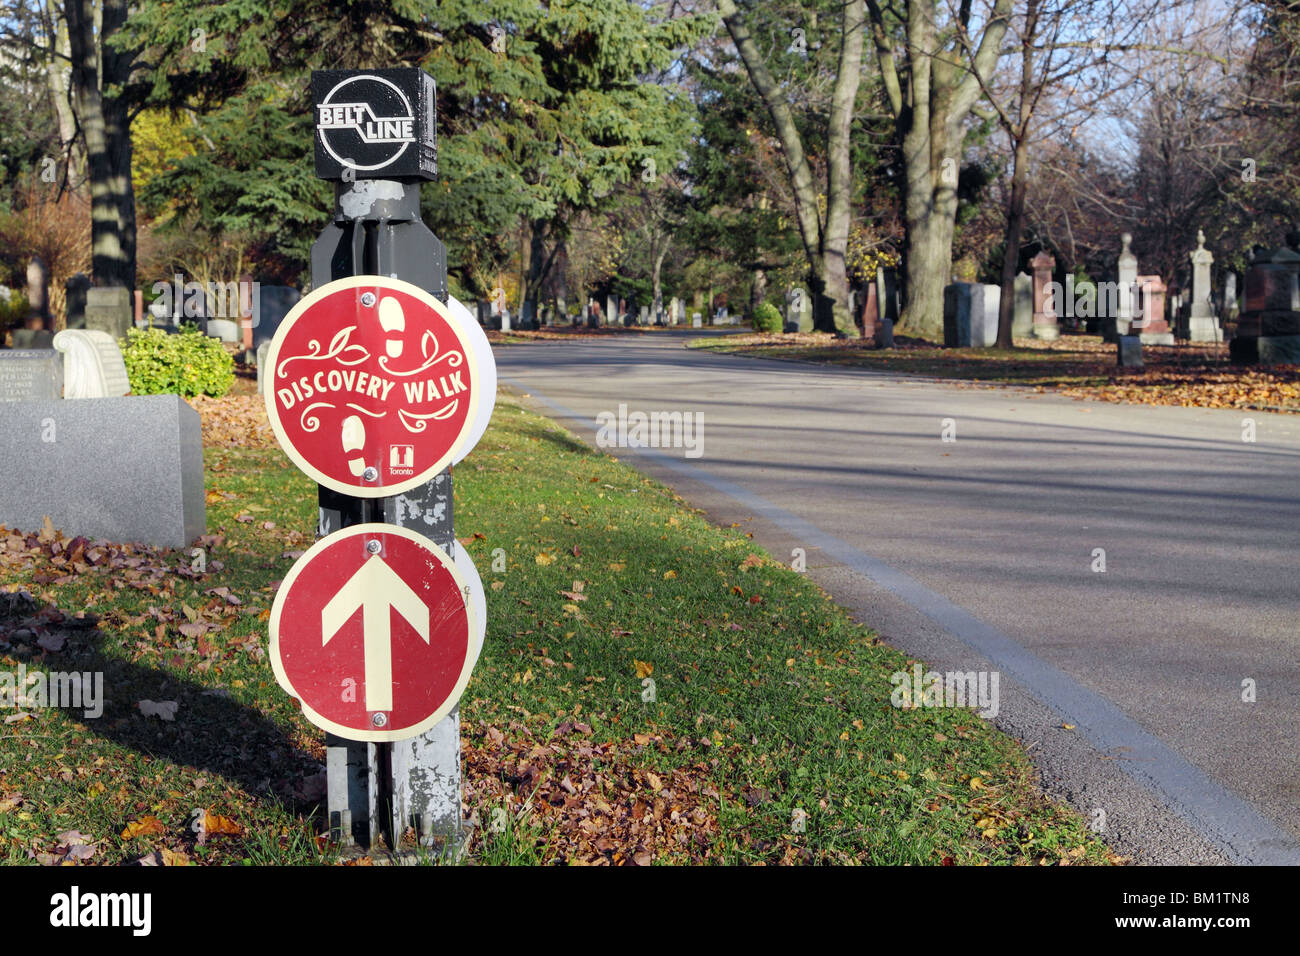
931	87
1019	135
757	291
657	285
70	145
825	245
835	238
1015	232
105	123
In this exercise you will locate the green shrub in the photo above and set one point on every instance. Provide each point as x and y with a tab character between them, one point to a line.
767	318
188	363
13	313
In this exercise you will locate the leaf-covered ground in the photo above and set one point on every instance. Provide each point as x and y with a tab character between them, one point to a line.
1080	366
769	736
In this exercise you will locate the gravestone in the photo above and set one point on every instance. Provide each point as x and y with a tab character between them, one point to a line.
674	310
1230	309
125	469
799	317
870	313
1045	324
262	351
885	334
108	310
1129	350
1175	301
77	287
970	315
33	339
1153	328
1022	317
887	296
38	290
92	364
30	374
1268	329
158	316
697	320
1126	271
611	311
644	317
270	305
227	330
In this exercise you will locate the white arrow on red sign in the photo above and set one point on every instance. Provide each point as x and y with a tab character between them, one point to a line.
375	630
375	589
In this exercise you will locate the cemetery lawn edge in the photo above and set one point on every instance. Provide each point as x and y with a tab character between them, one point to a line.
652	689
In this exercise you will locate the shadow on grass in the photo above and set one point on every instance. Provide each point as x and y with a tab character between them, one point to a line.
210	731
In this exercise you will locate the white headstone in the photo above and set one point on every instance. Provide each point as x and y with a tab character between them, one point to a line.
226	330
1201	324
1127	273
92	364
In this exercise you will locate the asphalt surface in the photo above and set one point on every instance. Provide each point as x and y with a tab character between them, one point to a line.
980	554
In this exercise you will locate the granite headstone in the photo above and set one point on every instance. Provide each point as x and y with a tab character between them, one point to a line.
30	374
124	469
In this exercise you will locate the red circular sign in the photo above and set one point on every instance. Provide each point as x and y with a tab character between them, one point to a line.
372	386
373	632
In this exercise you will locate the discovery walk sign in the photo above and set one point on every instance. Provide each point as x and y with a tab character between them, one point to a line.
375	386
376	631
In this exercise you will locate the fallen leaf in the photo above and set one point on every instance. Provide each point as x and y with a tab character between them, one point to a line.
216	825
145	826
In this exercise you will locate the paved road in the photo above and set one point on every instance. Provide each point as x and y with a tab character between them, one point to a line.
978	554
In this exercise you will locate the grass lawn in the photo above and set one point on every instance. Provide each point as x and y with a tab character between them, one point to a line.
770	737
1080	366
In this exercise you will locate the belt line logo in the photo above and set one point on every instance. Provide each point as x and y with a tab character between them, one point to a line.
359	118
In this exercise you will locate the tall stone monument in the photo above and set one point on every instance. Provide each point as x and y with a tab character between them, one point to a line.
1022	315
1202	325
38	293
1126	275
1045	325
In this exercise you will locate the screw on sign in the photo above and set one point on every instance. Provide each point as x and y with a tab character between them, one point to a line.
375	386
375	632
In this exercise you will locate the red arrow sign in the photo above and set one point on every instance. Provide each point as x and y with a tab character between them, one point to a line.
371	631
372	386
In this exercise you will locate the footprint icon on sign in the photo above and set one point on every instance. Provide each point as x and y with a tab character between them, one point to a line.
354	439
391	319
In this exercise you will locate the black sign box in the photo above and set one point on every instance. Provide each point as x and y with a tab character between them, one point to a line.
375	124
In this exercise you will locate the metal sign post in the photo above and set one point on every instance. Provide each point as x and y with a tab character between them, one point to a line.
376	139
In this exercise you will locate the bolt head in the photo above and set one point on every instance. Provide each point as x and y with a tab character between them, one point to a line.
379	720
367	299
370	474
373	546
